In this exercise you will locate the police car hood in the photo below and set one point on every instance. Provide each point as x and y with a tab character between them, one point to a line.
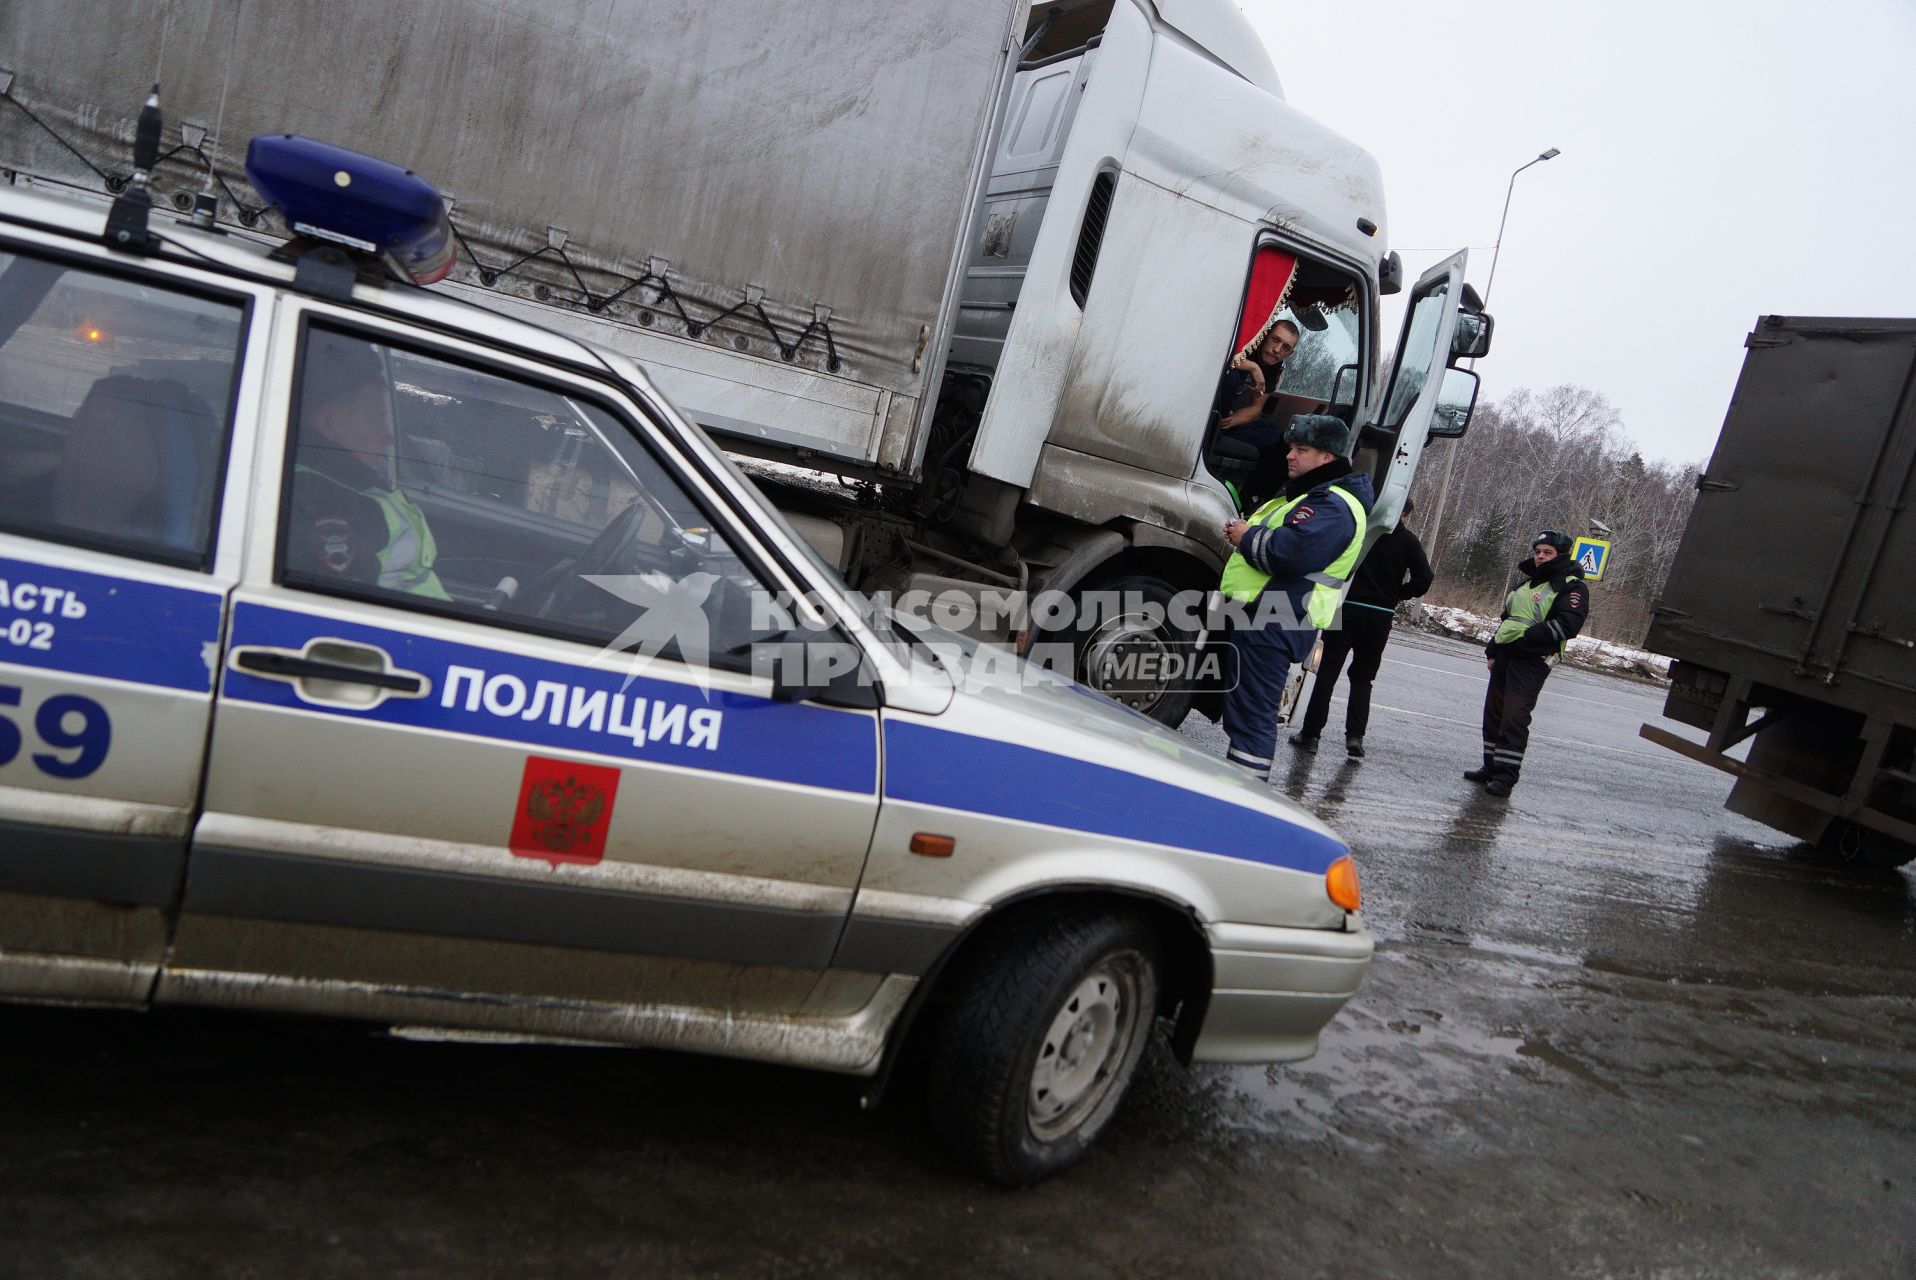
1004	699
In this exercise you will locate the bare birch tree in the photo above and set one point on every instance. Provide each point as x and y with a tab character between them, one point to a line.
1557	460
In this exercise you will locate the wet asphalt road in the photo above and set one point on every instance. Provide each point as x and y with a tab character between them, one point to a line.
1610	1030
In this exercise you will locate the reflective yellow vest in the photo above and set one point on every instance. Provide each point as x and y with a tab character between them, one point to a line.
405	562
1529	605
1244	582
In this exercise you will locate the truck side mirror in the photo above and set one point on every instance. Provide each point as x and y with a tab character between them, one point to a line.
1342	395
1454	404
1390	274
1472	336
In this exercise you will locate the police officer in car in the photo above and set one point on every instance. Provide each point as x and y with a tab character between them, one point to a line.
350	521
1546	608
1284	578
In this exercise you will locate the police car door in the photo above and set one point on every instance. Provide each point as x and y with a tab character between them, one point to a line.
121	382
437	765
1418	384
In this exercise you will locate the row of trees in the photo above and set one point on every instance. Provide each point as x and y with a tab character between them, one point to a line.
1556	459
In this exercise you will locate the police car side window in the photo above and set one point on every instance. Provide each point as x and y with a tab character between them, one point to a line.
115	398
427	483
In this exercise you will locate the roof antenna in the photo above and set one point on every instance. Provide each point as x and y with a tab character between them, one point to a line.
126	228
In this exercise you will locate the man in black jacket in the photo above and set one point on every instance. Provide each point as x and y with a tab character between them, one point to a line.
1394	569
1547	607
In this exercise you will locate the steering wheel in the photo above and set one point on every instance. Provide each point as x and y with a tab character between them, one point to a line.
620	548
611	550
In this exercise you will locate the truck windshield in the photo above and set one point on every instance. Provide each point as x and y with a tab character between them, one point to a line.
1327	344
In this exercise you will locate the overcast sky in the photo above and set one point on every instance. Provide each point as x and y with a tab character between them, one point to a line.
1722	160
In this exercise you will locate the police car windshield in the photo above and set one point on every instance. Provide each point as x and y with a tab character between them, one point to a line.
877	621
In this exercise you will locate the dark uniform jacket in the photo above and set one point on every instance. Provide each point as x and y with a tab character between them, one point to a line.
335	530
1394	570
1313	535
1565	618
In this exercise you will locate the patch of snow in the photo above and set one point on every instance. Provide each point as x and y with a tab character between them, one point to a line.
1584	651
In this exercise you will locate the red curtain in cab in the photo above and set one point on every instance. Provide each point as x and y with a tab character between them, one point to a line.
1272	273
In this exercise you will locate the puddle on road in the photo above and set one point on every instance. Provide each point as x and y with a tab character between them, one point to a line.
1391	1063
1388	1074
1543	1051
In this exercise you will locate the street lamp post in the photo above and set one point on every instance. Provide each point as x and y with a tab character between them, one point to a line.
1450	454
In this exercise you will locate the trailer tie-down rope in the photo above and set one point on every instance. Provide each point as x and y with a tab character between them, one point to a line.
489	276
665	295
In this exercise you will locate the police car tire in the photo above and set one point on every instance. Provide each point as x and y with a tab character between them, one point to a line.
1009	1001
1170	708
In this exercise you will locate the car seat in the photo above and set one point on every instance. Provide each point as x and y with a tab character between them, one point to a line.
138	464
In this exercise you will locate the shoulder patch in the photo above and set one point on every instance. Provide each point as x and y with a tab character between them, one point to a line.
335	539
1300	515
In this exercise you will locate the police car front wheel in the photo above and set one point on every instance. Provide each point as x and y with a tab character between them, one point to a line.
1041	1039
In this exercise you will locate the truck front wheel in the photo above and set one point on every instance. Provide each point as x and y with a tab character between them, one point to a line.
1041	1040
1129	647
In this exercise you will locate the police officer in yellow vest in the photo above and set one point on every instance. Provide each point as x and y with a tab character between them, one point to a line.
350	521
1547	607
1284	581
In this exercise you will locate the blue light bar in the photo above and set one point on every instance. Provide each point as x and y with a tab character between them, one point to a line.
330	193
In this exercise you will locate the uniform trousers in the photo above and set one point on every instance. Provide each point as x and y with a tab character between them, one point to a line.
1263	663
1361	638
1515	684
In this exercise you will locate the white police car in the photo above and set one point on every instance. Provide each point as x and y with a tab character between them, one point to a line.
318	596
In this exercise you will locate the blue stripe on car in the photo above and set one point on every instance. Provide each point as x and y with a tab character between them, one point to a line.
130	630
1001	779
795	742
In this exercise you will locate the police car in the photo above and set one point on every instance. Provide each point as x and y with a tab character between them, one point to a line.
323	600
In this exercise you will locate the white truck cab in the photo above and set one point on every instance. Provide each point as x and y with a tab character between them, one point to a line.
372	654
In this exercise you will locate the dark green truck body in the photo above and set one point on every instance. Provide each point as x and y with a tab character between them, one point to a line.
1791	606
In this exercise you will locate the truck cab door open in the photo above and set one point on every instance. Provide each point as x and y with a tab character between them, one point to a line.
1391	445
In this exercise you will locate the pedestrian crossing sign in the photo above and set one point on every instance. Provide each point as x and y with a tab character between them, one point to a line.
1590	555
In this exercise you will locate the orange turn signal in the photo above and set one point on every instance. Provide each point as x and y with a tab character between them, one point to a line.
928	845
1340	882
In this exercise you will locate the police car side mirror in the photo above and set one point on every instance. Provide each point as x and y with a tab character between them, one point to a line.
813	666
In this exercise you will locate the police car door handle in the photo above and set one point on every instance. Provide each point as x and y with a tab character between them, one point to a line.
293	666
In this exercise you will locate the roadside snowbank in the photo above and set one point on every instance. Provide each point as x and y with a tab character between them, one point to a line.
1584	651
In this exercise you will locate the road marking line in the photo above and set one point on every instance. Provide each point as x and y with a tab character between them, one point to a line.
1477	677
1569	742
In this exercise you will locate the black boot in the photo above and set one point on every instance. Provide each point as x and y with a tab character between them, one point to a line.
1354	748
1304	741
1496	787
1477	775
